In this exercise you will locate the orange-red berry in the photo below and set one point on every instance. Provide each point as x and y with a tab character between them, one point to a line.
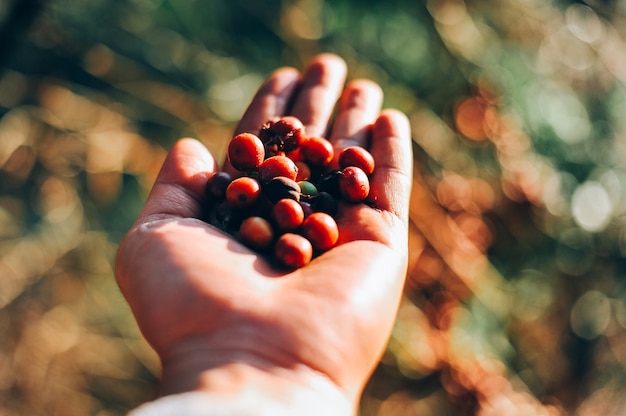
243	192
256	232
321	230
287	214
354	185
277	166
317	151
286	197
293	250
357	156
246	152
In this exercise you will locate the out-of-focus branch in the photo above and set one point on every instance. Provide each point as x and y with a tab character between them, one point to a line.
20	17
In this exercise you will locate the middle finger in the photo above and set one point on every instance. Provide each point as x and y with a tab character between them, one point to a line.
320	89
359	107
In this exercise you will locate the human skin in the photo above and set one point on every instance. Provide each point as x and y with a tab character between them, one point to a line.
226	322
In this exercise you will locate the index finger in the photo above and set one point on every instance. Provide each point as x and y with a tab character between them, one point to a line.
271	100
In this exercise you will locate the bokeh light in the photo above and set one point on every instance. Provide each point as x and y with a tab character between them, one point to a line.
515	302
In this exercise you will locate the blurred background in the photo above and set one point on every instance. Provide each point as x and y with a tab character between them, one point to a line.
515	302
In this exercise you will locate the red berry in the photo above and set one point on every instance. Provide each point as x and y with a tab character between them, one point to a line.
266	130
291	130
293	250
243	192
317	151
256	232
283	134
287	125
277	166
354	185
287	187
287	214
246	152
321	230
295	154
357	156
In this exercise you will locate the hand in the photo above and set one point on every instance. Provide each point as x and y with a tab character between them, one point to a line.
220	317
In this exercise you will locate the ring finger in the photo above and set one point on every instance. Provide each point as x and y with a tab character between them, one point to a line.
359	107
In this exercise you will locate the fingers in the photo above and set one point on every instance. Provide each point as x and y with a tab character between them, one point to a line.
312	95
358	109
180	186
390	184
321	86
271	100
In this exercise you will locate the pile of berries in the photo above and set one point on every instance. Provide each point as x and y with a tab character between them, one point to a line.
284	198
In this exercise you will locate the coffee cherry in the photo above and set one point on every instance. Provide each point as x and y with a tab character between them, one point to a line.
307	208
357	156
281	187
329	183
295	154
321	230
265	133
243	192
307	188
291	130
317	151
246	152
293	250
227	217
277	166
283	134
287	126
256	232
354	185
287	214
325	202
217	184
223	213
286	187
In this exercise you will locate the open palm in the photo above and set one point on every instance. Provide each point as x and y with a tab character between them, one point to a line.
204	301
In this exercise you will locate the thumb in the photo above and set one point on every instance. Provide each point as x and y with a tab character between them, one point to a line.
180	185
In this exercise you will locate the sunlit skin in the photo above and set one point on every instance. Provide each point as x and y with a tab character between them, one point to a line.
221	318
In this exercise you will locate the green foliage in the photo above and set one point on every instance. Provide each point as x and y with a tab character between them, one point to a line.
517	116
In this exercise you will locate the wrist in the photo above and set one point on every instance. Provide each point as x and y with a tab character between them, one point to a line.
246	386
199	403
